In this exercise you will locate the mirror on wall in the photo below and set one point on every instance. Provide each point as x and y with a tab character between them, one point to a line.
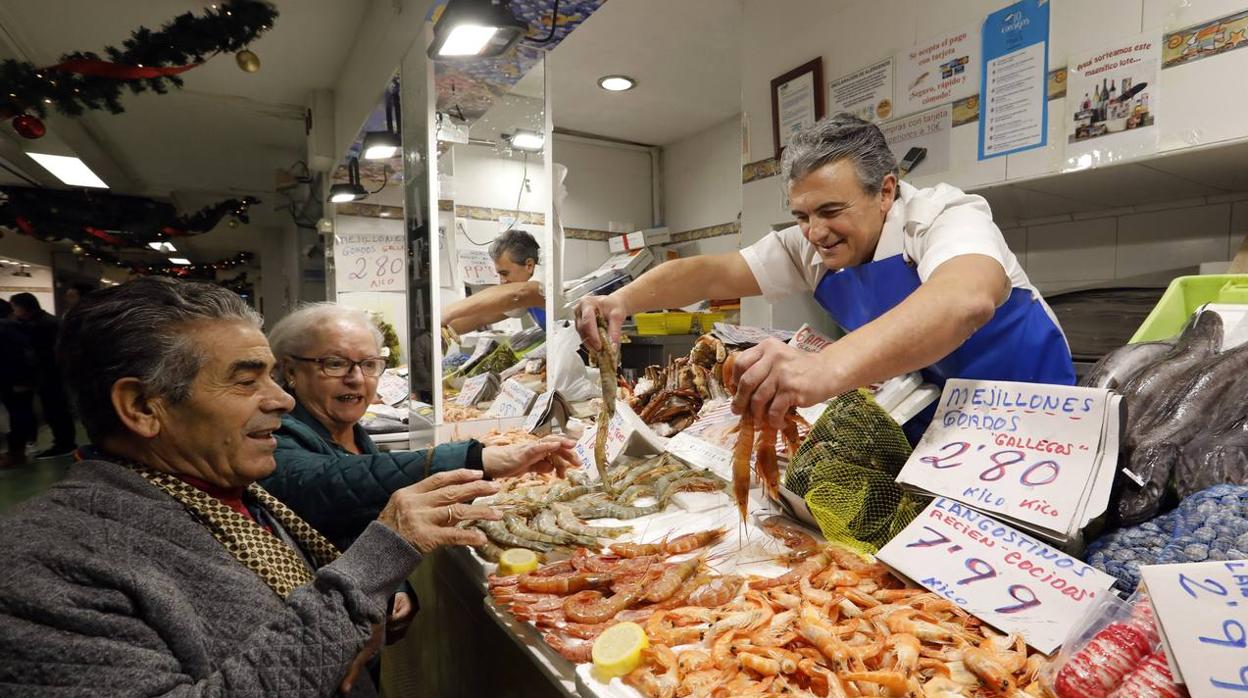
493	246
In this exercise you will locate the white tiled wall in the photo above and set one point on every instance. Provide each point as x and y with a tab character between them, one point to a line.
1115	244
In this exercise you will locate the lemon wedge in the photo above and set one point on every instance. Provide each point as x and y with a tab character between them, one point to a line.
516	561
617	650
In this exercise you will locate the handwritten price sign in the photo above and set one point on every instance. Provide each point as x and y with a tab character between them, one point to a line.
996	572
370	261
1203	611
1024	450
513	400
477	267
473	390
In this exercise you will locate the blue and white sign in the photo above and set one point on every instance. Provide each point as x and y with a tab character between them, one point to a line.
1013	109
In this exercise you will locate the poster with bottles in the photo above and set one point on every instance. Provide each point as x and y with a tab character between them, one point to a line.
1112	103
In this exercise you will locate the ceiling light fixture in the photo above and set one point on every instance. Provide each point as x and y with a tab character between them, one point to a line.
616	83
162	246
69	170
470	29
383	145
351	189
522	139
179	260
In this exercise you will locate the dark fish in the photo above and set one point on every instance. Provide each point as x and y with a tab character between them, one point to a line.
1200	339
1153	464
1119	366
1198	399
1214	458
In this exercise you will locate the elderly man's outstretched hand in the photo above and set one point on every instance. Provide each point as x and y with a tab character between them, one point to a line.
427	514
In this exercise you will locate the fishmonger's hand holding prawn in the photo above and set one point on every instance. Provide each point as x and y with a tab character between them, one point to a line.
920	279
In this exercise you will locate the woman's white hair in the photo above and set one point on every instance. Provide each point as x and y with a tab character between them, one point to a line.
296	333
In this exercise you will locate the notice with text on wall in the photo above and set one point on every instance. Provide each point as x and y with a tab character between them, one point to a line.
1038	456
372	259
1202	614
1014	582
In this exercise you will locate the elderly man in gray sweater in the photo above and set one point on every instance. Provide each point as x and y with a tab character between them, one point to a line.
158	566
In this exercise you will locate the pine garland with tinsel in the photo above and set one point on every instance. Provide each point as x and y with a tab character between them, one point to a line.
149	60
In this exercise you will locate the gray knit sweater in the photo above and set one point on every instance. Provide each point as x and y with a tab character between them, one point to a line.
109	587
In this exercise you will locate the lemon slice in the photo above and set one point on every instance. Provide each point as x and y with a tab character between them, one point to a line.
617	650
516	561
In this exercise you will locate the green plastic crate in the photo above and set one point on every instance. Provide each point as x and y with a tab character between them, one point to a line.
1183	297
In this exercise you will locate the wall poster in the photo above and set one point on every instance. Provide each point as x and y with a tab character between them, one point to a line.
929	129
866	93
1111	102
1015	114
938	71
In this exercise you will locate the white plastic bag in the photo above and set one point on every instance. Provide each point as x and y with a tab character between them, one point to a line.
564	365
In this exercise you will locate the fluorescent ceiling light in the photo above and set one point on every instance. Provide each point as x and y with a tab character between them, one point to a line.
527	140
179	260
162	246
69	170
616	83
467	40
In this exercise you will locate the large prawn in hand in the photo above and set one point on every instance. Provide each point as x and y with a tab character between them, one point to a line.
762	448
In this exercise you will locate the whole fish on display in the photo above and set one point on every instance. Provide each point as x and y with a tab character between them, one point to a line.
1119	366
1201	339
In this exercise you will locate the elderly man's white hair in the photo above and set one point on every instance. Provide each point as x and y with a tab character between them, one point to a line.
296	333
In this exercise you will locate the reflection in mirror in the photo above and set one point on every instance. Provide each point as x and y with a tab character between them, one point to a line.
493	248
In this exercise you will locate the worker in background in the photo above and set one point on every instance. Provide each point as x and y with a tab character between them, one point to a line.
515	254
919	279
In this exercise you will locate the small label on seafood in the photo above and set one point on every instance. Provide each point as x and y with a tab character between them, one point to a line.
513	400
473	391
540	411
1007	578
1202	612
809	339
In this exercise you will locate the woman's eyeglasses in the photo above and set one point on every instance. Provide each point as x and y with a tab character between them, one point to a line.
337	367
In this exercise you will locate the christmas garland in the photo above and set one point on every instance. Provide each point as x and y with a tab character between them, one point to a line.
203	270
97	217
149	60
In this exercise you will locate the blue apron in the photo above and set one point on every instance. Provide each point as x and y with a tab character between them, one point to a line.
539	316
1020	343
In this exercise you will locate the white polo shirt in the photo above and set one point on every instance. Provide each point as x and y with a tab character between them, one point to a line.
929	226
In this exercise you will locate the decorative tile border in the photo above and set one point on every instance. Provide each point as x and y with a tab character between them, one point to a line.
761	169
587	234
364	210
709	231
484	213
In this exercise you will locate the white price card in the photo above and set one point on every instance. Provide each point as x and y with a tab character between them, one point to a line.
513	400
809	339
478	268
472	391
1023	450
1007	578
702	454
1202	609
540	411
625	427
374	260
392	388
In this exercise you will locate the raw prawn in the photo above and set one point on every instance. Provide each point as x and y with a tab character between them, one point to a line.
565	583
718	592
671	578
567	520
692	541
765	463
592	607
790	534
608	377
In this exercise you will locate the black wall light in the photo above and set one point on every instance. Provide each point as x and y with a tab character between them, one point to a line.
383	145
351	190
471	29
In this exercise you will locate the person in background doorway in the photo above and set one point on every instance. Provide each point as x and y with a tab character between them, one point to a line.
41	328
515	254
17	387
74	293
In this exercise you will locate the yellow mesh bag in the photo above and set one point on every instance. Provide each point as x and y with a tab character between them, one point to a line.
845	470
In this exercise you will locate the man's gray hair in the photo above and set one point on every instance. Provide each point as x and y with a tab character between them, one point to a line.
838	137
299	331
139	330
519	246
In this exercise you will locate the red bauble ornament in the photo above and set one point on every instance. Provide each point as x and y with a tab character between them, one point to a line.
28	126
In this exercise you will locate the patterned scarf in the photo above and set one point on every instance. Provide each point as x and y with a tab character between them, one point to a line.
280	566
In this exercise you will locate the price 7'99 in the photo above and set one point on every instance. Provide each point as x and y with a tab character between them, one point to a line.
982	570
1036	474
1234	634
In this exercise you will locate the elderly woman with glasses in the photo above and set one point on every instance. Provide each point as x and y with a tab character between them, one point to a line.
328	469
